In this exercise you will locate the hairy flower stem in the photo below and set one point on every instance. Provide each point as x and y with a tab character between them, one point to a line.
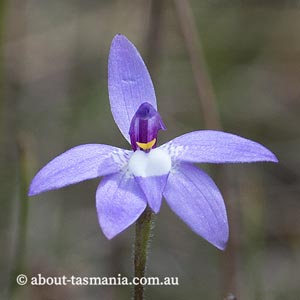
142	238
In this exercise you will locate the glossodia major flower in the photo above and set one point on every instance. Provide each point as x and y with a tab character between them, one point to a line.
141	177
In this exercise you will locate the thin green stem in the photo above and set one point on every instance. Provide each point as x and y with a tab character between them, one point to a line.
142	238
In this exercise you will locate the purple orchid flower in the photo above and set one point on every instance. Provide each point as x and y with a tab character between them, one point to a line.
142	176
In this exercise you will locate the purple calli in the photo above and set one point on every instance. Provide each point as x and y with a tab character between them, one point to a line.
140	177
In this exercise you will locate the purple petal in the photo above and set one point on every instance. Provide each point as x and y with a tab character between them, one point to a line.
78	164
120	202
195	198
129	82
153	187
217	147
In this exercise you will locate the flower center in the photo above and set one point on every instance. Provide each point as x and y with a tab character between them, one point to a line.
146	146
144	128
155	163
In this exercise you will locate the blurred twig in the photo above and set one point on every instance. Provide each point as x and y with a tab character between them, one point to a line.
211	121
13	157
153	36
3	7
20	247
195	52
3	118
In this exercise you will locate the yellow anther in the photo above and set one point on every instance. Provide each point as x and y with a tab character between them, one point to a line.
146	146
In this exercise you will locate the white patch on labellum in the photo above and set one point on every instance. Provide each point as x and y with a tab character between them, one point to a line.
154	163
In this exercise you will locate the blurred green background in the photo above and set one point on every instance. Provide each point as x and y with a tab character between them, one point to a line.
53	79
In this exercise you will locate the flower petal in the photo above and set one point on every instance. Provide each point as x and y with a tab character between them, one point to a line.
129	82
153	187
216	147
195	198
78	164
119	202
